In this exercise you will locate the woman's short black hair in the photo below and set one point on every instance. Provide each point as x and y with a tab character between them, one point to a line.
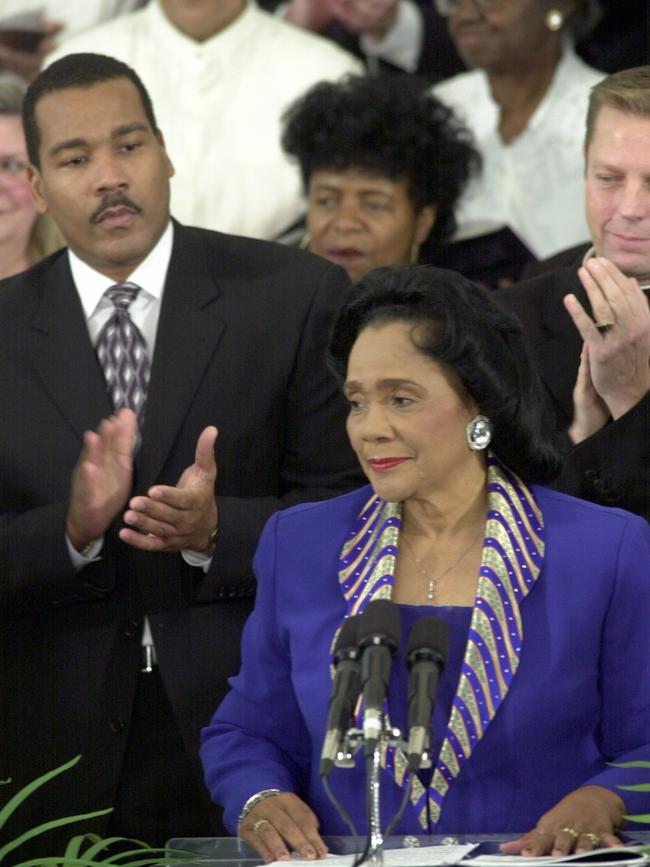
457	324
389	125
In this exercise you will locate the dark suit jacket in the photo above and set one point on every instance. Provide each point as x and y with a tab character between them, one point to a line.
240	344
611	467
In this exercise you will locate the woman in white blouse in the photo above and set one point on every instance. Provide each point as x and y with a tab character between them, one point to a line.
525	100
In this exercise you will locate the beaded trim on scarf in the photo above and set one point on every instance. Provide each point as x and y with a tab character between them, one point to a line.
513	552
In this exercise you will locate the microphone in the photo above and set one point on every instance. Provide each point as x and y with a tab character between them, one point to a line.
379	632
426	657
345	690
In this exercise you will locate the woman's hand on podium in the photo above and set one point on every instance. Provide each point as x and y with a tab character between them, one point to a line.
584	819
281	822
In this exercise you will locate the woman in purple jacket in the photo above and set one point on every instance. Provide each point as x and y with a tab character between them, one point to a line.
547	599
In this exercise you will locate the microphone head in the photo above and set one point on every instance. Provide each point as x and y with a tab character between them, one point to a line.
429	638
347	641
380	623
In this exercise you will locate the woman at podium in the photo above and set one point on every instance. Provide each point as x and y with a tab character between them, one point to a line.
546	688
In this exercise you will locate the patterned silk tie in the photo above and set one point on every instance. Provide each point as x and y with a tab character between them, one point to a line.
122	353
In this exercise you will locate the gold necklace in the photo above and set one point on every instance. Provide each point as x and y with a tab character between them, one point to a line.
431	581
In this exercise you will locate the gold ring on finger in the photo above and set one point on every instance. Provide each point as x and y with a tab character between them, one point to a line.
605	326
571	831
594	839
257	825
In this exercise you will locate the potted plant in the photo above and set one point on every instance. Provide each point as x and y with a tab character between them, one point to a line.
83	850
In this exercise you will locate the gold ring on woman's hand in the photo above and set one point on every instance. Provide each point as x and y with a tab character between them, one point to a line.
257	825
594	839
605	326
571	831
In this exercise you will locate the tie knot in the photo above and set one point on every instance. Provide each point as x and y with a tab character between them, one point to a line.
122	294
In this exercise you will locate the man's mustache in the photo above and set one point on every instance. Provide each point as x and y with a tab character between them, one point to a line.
113	201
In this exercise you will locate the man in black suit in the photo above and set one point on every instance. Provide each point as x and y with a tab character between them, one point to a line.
125	563
589	323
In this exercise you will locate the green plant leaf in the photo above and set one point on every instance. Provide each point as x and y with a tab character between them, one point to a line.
27	790
637	764
643	817
73	856
104	843
167	855
83	862
637	787
73	849
48	826
157	858
154	858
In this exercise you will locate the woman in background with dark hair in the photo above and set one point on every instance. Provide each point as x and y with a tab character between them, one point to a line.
546	597
383	163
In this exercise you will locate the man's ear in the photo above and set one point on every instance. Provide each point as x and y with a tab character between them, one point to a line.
36	186
171	171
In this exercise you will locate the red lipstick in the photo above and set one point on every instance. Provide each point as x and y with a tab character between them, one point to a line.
383	464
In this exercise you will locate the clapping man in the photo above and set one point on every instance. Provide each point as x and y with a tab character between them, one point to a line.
589	324
125	559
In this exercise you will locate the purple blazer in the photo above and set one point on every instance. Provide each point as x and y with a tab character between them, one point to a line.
579	700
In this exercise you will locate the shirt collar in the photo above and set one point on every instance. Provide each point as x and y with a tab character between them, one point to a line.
150	274
591	253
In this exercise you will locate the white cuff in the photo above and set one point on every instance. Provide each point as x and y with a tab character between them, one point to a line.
91	556
196	558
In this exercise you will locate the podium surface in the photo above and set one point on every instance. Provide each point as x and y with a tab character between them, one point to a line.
233	852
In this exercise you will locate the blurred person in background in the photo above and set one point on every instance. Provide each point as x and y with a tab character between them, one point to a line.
383	163
587	319
388	35
232	71
524	99
25	237
26	36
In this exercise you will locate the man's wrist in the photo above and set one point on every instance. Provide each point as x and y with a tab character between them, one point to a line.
88	547
80	541
212	539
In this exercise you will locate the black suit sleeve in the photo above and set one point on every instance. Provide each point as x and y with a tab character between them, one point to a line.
316	460
612	467
37	572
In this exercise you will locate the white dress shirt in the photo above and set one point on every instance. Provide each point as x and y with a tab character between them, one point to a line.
145	308
534	184
144	311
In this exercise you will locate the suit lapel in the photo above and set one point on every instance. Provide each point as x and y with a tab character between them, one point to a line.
187	336
62	354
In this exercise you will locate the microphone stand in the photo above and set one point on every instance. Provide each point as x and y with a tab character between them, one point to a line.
376	850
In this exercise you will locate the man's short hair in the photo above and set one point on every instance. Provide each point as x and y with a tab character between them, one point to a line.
627	91
76	70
